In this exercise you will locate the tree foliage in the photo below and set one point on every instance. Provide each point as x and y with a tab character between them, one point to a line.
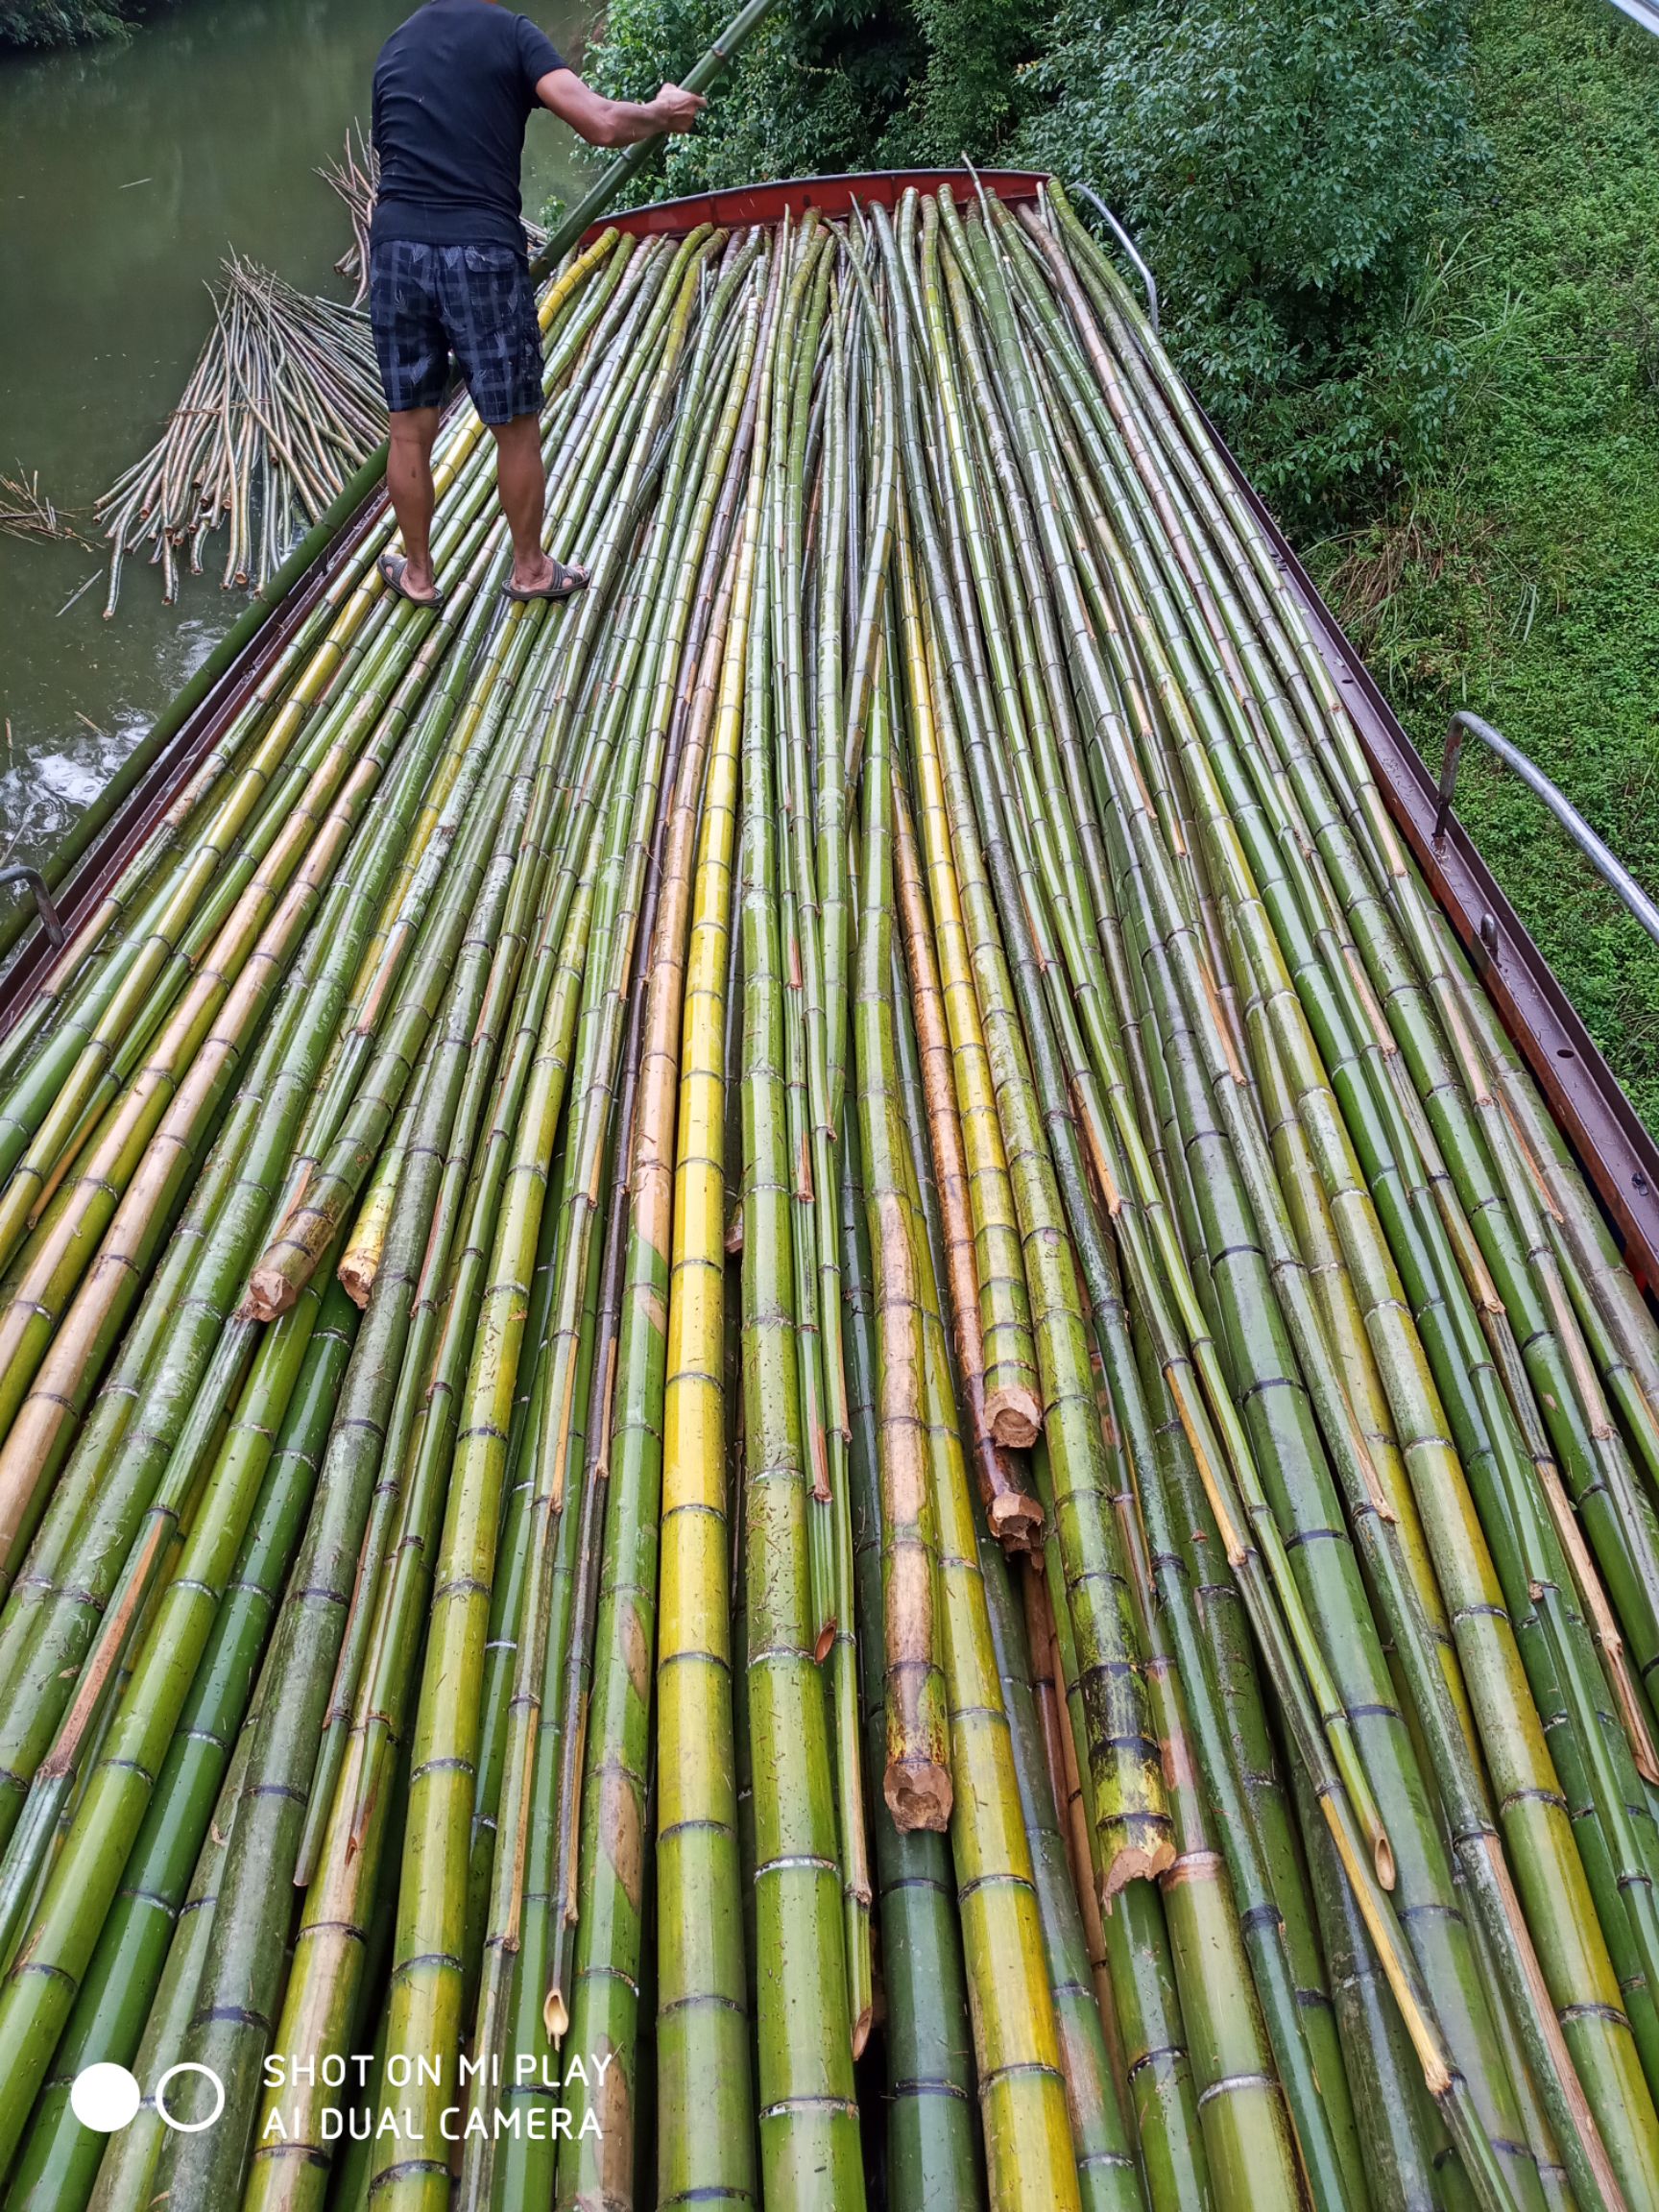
57	22
831	84
1285	169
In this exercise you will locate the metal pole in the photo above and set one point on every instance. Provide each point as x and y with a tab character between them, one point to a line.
1606	865
43	906
1129	247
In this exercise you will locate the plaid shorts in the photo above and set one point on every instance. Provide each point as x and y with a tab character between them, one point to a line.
475	302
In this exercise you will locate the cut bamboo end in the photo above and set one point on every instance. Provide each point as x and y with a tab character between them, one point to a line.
1015	1418
1139	1863
1383	1858
270	1294
1016	1521
861	2031
555	2016
919	1796
357	1272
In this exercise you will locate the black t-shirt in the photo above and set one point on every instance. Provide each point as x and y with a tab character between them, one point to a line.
453	89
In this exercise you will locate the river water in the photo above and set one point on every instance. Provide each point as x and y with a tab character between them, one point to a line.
126	170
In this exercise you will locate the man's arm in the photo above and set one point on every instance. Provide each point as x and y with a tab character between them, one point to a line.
606	122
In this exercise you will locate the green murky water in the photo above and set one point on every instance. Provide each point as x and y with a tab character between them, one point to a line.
125	173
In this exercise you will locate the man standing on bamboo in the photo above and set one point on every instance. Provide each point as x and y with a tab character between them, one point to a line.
448	273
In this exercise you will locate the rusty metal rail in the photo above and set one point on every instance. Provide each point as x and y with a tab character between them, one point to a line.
743	205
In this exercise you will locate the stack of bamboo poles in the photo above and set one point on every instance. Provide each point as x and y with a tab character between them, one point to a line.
796	1405
356	180
281	406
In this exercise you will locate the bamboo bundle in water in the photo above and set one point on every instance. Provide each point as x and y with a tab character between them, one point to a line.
283	404
796	1405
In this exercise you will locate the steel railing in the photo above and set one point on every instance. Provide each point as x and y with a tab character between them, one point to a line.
1606	864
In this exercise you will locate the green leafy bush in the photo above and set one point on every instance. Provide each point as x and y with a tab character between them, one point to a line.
1285	169
970	94
57	22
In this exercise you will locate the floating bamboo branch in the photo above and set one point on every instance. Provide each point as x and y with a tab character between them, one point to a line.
26	512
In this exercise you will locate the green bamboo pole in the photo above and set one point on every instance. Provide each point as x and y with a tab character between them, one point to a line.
1030	2156
90	1860
1275	1909
814	1028
1106	2168
522	2166
1128	1795
427	1994
1465	1116
608	484
1013	1518
808	2119
694	525
58	2163
915	1784
706	2132
127	2163
199	1280
613	1876
1475	1610
404	1593
1006	1356
540	1656
1488	2072
255	1921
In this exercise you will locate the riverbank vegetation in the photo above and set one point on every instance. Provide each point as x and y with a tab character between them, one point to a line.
62	22
1409	258
1517	572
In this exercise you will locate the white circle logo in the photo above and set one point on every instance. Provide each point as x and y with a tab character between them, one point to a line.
189	2127
106	2097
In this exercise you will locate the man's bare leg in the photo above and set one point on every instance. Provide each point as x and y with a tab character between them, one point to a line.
522	488
409	481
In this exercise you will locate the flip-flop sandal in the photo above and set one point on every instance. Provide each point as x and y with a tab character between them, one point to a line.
392	567
560	585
